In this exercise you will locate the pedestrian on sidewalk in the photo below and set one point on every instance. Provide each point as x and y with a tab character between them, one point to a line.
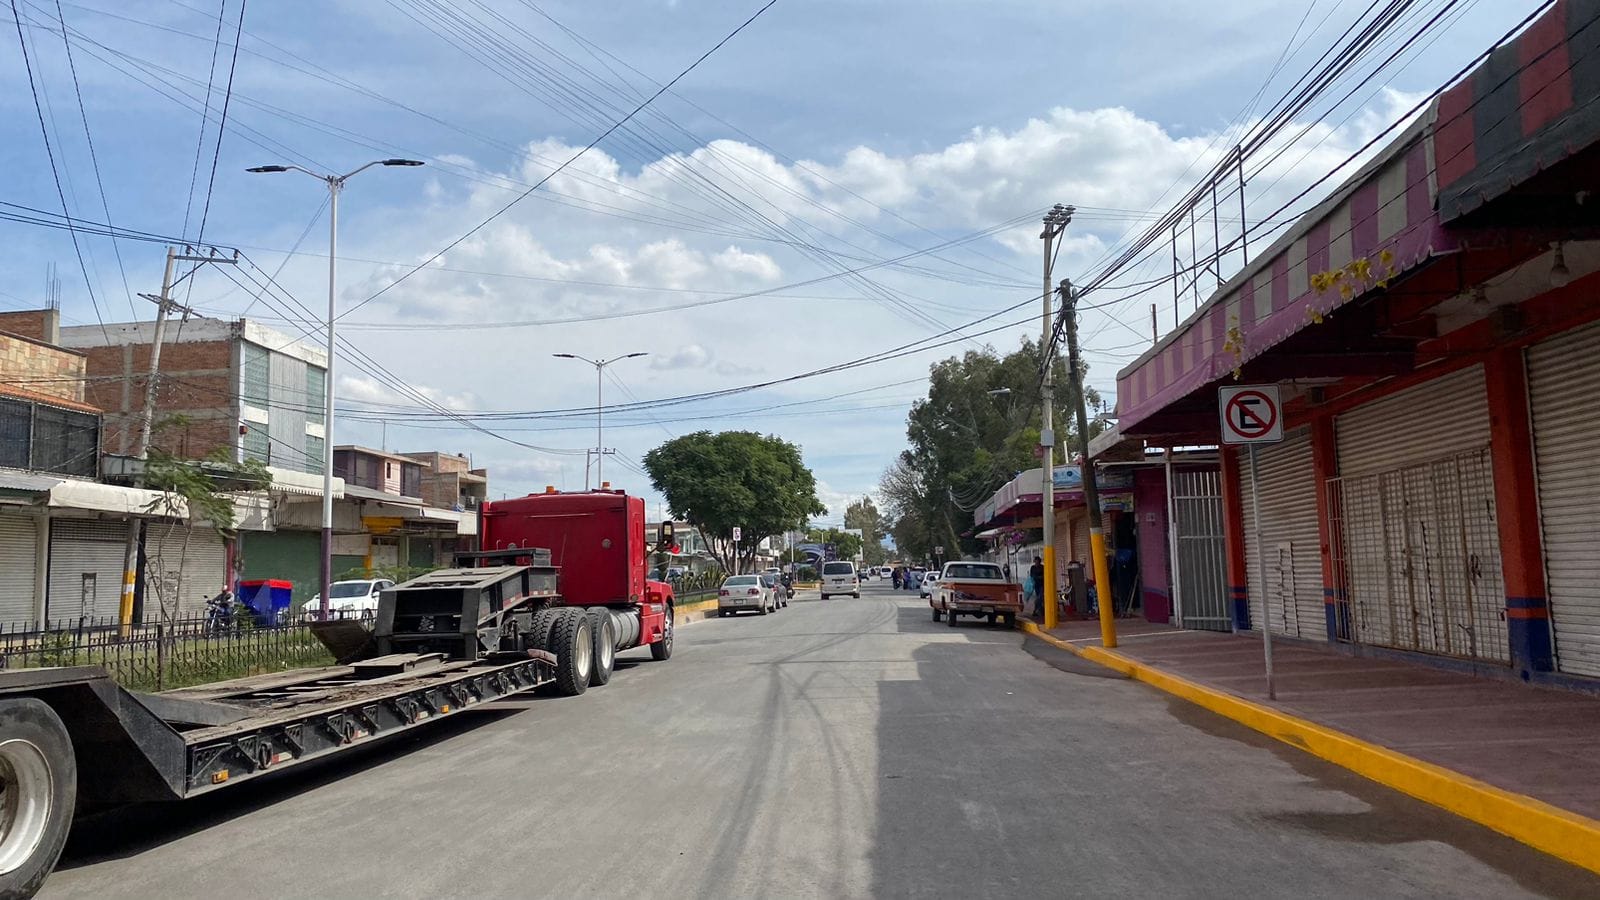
1036	579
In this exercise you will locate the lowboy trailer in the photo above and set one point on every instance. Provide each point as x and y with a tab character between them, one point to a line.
73	741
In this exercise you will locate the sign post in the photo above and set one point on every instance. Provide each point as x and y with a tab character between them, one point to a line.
1253	415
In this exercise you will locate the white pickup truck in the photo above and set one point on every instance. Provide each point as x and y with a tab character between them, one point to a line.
975	589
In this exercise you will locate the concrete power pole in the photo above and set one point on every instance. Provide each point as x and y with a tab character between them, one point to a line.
1055	222
1091	487
147	415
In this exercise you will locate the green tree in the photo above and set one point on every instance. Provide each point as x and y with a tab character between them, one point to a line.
977	428
734	479
203	490
863	514
845	544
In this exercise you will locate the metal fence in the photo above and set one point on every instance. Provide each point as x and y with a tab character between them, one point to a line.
169	654
1416	558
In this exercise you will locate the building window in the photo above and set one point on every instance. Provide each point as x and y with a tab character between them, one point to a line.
255	365
66	442
16	424
256	444
316	385
315	447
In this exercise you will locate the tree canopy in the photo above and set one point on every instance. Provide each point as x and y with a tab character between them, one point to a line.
977	428
734	479
863	514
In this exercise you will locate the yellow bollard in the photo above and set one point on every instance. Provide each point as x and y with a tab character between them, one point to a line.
1102	588
1049	593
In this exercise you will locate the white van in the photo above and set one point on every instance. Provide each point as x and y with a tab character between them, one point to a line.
839	577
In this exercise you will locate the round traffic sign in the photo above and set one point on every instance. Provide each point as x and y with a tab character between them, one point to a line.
1251	414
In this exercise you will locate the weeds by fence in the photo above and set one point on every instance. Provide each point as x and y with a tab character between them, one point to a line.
164	655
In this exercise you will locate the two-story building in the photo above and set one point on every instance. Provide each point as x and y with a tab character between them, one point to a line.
228	389
62	534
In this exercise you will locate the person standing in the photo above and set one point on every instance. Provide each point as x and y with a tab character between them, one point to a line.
1036	578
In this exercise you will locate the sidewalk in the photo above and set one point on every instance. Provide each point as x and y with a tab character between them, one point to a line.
1535	742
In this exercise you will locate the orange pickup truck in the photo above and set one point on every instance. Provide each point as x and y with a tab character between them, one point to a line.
975	589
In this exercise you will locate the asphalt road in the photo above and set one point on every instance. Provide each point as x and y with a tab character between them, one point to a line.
847	748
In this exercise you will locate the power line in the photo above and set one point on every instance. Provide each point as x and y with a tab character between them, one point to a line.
94	159
222	122
205	117
574	158
54	172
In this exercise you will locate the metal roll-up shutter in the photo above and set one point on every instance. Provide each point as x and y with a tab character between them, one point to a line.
1563	384
85	569
1426	422
184	566
1289	542
1419	546
19	549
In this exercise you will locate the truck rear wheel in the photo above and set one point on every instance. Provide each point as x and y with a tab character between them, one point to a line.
604	629
544	621
936	613
951	613
572	640
661	650
38	790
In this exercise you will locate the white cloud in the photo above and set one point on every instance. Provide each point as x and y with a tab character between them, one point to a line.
689	356
663	240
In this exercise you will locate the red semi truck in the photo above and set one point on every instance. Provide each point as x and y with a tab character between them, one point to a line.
597	540
558	589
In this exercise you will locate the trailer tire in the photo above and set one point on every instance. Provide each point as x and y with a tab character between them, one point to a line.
544	621
573	643
661	650
40	774
604	629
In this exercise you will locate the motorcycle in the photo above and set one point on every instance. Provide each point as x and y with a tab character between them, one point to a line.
788	586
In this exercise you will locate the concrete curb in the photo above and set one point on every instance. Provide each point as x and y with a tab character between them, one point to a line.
1558	832
694	612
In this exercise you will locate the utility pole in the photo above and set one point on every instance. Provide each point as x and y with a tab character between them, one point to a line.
1091	490
1055	222
147	415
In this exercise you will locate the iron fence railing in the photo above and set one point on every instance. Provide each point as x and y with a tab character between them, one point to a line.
169	654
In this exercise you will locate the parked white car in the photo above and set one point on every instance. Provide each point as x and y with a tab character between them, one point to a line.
839	577
356	599
745	593
930	583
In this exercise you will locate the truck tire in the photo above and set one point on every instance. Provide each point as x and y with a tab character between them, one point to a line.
936	613
1010	620
539	633
661	650
39	774
572	640
604	629
951	614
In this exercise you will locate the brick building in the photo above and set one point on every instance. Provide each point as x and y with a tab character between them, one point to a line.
450	482
237	387
45	425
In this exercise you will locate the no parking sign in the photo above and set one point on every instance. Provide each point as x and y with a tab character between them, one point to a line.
1251	414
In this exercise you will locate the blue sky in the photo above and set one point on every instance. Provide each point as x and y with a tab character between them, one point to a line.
864	127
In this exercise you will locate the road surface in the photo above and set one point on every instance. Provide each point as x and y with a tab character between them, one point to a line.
847	748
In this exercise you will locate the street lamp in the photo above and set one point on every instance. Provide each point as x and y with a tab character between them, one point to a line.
599	406
335	184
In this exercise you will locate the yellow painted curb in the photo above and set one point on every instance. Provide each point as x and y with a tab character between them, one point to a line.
1558	832
689	609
